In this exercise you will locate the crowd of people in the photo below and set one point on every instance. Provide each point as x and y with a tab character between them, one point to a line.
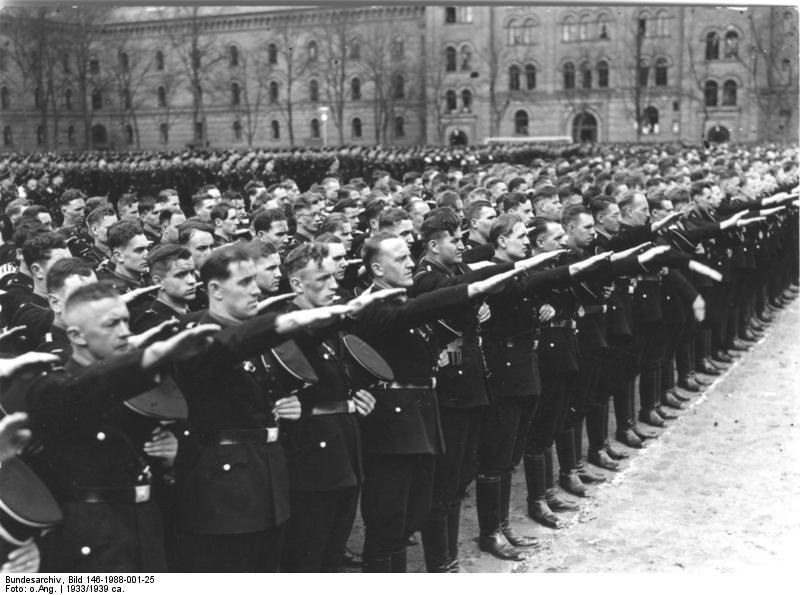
220	378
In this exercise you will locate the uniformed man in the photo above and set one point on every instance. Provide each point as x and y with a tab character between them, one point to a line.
95	465
307	212
128	267
149	212
40	253
170	219
225	219
64	277
97	252
232	471
271	226
171	266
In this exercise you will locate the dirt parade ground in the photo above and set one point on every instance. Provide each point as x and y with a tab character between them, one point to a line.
717	492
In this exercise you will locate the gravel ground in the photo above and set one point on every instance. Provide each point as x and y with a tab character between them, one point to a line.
718	491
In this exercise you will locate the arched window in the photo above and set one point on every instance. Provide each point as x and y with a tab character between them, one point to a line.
233	56
662	21
274	90
237	130
272	53
313	90
5	98
650	123
159	60
569	75
710	92
788	22
71	136
398	48
466	57
163	134
450	101
355	128
644	73
521	122
603	26
355	49
275	129
314	128
466	100
513	78
129	134
68	99
661	72
514	33
97	99
399	127
529	31
583	28
450	60
568	29
312	50
731	44
355	89
530	77
8	136
124	63
39	135
398	86
786	71
712	46
162	97
602	74
586	75
729	92
236	95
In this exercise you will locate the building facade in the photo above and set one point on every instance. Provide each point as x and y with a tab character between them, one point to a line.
129	78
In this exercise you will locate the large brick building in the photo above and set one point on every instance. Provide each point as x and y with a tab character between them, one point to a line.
276	76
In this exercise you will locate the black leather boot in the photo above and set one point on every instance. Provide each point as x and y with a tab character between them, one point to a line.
597	430
377	564
399	563
453	526
556	503
649	387
669	400
628	437
538	508
491	538
567	473
514	538
435	544
640	432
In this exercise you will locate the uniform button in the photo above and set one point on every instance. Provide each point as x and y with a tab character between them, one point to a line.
186	433
326	356
668	297
226	467
644	295
101	436
552	344
323	444
508	364
86	550
397	409
411	331
460	373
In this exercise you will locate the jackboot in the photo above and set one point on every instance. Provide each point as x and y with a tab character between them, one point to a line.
556	503
669	400
567	473
491	538
538	508
377	564
689	383
673	392
399	562
435	544
640	432
648	389
597	455
613	453
584	474
453	525
514	538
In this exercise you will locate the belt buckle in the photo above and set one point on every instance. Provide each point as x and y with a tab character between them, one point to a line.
272	434
573	325
536	344
605	308
351	406
142	493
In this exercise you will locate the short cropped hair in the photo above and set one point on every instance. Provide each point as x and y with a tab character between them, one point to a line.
217	266
93	292
122	232
502	226
438	222
65	268
300	257
160	259
38	247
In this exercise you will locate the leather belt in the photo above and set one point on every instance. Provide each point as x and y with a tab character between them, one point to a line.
528	343
655	277
244	436
131	495
419	384
596	309
348	406
569	323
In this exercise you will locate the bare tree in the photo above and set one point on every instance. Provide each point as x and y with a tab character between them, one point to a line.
434	86
247	101
496	58
773	75
129	68
335	37
198	53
